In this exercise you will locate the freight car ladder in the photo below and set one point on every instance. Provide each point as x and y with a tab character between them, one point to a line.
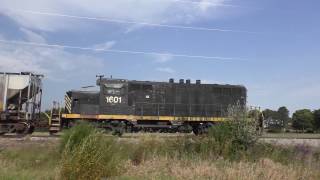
55	118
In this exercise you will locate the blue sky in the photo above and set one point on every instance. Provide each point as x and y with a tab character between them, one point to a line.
273	45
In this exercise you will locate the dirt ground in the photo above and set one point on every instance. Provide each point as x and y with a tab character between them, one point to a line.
11	141
292	142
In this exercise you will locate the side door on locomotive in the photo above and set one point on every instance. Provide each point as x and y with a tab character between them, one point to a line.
114	97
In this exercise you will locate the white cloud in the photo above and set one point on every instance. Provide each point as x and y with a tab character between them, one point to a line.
55	63
105	46
166	70
32	36
150	11
204	5
162	58
9	63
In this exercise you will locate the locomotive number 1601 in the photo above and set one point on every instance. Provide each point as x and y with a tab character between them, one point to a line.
113	99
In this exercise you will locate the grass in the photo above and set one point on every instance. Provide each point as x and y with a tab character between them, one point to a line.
292	135
31	162
288	135
155	158
84	153
94	158
167	168
144	162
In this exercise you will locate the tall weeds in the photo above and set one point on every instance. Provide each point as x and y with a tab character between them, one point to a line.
232	138
87	154
73	137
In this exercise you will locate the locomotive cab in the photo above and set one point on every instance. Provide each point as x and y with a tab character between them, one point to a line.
114	96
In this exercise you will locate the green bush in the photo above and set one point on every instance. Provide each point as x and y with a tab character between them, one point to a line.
234	136
89	156
74	136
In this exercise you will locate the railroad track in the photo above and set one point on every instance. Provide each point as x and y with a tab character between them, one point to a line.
28	137
45	137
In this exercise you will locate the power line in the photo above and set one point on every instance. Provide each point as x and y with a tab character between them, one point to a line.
111	20
117	51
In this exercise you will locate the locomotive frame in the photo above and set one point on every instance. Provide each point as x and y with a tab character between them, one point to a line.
123	105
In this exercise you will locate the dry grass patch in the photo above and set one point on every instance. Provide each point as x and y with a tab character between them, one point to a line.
265	169
29	162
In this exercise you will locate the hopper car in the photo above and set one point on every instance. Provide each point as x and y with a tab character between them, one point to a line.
20	102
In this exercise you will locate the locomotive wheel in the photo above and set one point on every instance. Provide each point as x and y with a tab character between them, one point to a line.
207	127
118	128
186	128
31	130
200	129
3	130
129	129
108	129
24	128
195	130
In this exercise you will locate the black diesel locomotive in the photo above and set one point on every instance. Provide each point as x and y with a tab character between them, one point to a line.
153	106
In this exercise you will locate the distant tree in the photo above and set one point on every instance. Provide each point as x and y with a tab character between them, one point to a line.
254	113
271	120
283	116
302	119
316	115
268	113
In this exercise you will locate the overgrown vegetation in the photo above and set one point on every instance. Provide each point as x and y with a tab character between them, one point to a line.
229	151
86	153
239	132
29	162
231	143
72	138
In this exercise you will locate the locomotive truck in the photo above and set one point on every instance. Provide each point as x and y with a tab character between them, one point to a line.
128	105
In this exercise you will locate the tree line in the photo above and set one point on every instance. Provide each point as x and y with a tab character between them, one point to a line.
304	120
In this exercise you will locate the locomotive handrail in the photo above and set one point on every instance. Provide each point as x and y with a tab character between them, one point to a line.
165	103
158	109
